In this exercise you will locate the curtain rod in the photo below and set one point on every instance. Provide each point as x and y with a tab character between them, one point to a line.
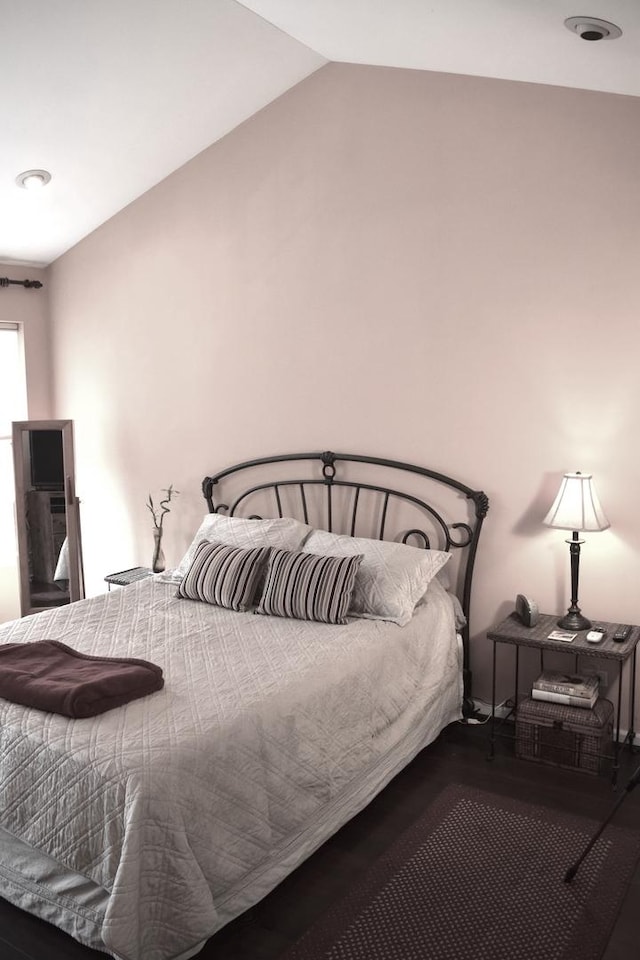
4	282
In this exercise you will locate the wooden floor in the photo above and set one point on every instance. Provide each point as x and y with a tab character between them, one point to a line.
460	756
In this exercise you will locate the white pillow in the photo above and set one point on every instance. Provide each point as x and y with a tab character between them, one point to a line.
436	589
285	533
392	576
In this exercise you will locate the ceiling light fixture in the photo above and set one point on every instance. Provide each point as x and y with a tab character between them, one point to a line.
590	28
33	179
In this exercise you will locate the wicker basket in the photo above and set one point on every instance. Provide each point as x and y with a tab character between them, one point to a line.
571	737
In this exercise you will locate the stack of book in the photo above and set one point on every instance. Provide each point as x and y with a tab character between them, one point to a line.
570	689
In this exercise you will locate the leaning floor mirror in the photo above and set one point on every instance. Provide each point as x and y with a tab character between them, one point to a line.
47	515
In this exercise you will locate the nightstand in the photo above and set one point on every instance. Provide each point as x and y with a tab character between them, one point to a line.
125	577
512	631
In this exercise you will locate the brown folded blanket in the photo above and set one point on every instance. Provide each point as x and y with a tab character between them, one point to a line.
51	676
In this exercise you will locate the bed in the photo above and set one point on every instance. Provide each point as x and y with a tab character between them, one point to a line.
143	830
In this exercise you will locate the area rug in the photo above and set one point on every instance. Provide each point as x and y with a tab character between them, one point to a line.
481	877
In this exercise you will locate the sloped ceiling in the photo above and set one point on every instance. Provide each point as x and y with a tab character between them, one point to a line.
113	97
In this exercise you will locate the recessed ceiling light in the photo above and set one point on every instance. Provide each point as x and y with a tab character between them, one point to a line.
590	28
33	179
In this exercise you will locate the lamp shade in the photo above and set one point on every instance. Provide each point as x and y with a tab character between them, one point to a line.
577	506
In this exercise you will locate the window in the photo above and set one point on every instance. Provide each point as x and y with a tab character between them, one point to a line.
13	406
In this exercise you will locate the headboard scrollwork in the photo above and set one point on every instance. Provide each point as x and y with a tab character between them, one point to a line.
347	496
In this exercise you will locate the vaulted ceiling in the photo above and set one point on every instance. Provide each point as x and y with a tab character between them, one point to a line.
110	98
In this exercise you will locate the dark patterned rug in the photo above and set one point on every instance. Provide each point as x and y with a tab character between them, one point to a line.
481	877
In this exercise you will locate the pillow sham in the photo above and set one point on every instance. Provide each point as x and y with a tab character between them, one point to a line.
224	576
308	587
286	533
391	578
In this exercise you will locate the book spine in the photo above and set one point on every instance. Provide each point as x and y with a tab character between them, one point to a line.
553	687
551	697
581	690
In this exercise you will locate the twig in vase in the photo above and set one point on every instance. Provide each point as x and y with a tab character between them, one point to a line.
159	512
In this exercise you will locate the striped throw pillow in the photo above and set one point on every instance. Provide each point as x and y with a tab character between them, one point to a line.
309	587
225	576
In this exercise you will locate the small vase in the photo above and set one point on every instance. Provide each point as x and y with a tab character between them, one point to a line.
158	563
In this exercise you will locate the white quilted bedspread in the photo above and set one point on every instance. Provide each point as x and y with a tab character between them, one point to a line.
183	808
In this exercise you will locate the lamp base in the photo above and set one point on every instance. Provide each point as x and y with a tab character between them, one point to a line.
573	620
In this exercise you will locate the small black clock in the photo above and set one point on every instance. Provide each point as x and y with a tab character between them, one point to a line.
527	610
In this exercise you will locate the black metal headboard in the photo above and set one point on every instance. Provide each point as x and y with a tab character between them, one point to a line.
282	496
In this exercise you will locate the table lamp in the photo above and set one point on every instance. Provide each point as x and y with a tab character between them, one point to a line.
576	508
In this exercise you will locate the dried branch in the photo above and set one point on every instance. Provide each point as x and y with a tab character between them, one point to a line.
163	507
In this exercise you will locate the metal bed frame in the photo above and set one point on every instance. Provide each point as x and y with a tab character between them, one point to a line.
293	497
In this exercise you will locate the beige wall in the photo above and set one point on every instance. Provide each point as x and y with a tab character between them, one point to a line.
436	268
28	307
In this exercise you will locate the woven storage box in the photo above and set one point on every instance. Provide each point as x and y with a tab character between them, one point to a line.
565	736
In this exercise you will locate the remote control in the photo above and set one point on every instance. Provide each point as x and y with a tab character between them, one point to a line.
595	635
621	632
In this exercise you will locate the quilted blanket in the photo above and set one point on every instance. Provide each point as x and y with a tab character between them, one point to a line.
143	830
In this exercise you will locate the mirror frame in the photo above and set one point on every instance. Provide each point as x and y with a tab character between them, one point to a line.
72	512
